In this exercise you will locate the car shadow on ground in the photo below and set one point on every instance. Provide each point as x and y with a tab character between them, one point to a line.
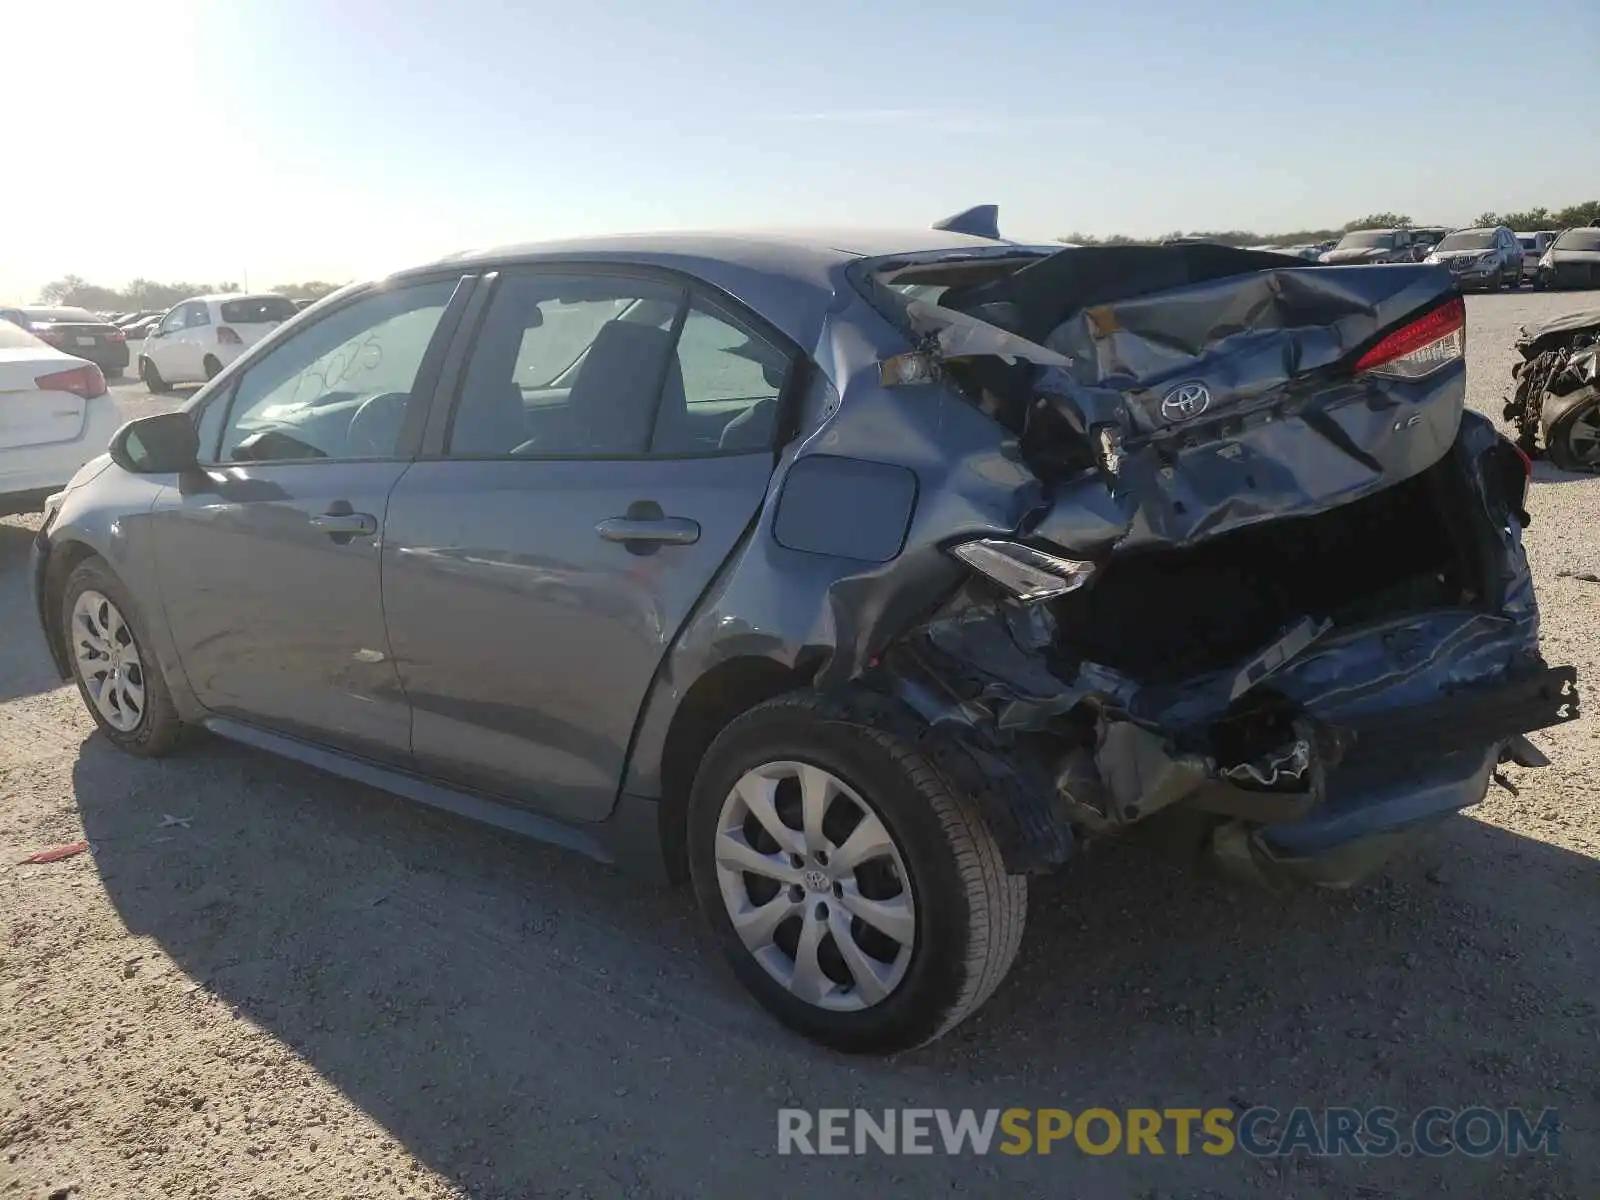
1544	471
25	667
516	1016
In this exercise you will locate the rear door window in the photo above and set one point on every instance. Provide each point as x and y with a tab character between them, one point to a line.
568	365
732	380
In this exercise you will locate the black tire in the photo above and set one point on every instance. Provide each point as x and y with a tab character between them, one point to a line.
159	729
1560	420
1499	281
112	372
151	378
211	367
969	912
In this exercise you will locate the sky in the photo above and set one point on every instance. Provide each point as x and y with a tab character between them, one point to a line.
281	140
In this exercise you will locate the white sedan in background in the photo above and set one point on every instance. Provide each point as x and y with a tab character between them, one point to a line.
55	415
200	336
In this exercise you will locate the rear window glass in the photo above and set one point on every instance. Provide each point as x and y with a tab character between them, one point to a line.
1529	243
257	310
1367	240
13	337
1579	239
62	314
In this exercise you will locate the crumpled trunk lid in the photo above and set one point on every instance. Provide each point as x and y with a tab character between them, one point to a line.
1213	388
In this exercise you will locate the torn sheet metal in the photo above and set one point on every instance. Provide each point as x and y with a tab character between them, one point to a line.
961	336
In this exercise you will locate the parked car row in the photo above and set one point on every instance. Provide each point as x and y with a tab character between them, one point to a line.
76	331
1485	258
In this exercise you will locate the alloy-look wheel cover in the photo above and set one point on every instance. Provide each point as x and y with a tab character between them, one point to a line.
108	661
1583	438
815	886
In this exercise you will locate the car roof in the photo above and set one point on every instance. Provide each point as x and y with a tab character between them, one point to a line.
789	276
217	297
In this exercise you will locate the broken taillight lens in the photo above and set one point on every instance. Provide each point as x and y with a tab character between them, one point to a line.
1026	573
1423	346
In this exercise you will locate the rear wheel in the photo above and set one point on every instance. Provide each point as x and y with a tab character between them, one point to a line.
1572	430
112	663
212	367
151	377
855	891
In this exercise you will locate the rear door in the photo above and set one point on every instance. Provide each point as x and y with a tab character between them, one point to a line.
29	415
269	564
610	444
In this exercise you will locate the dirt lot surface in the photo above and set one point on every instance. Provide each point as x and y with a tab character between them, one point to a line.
266	982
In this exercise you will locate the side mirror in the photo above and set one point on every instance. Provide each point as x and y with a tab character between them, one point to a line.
164	444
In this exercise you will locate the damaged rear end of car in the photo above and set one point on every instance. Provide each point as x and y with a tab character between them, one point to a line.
1270	586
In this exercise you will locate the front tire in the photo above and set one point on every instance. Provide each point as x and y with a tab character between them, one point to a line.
151	377
113	663
854	889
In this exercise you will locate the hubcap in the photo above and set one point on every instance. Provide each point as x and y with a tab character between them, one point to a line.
108	661
1584	437
815	886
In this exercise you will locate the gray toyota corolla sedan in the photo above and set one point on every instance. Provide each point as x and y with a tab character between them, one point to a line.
855	578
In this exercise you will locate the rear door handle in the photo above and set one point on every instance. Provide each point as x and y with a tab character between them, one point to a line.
670	531
346	525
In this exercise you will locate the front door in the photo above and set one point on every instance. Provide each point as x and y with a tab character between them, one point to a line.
174	357
537	570
270	566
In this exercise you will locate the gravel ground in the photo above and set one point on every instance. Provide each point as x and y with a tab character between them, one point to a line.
266	982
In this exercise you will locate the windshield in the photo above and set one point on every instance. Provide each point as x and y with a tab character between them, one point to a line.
79	315
1369	239
1469	239
1579	239
257	310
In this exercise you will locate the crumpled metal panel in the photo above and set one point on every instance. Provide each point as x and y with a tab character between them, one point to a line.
1285	428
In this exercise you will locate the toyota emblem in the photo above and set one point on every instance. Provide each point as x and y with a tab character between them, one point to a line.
1185	401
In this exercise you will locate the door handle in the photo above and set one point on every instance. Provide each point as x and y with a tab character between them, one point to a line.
669	531
346	525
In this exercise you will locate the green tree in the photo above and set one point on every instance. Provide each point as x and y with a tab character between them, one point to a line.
63	290
311	289
1585	213
1383	220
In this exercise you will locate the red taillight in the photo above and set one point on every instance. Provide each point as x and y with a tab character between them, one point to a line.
1527	463
115	335
227	336
85	381
47	334
1423	346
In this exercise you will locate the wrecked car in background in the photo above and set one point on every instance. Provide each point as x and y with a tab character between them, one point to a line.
1572	260
1556	405
857	577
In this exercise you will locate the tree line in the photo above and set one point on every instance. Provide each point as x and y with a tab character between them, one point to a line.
140	294
1531	219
